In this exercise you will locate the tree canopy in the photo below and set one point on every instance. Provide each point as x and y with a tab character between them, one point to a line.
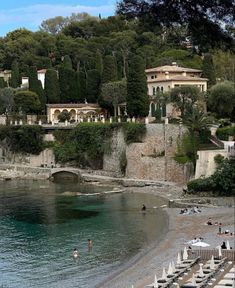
199	16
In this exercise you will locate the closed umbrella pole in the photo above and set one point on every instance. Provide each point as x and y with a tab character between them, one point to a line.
164	273
227	245
178	262
185	254
170	271
173	266
155	283
212	263
201	273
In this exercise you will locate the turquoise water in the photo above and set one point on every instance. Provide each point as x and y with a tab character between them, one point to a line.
40	225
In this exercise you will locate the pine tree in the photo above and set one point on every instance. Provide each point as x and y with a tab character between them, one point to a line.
15	75
35	85
137	97
99	62
67	62
208	70
110	73
93	85
52	89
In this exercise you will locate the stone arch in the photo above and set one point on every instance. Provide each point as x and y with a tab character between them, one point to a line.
56	113
152	109
68	176
72	113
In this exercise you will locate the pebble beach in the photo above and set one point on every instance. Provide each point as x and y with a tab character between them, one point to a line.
182	228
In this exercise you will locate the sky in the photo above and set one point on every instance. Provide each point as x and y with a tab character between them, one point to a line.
29	14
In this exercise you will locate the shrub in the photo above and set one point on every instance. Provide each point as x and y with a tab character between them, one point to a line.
200	185
218	159
63	116
224	132
24	139
134	132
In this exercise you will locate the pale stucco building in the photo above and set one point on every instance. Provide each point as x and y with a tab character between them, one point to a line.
78	112
41	76
164	78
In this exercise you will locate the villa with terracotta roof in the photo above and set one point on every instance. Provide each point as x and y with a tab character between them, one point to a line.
164	78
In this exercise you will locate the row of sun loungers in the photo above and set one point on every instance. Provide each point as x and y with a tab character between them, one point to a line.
228	279
168	279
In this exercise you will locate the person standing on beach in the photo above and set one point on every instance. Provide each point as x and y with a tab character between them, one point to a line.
89	244
143	208
220	228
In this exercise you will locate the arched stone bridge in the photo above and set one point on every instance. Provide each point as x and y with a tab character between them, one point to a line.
63	174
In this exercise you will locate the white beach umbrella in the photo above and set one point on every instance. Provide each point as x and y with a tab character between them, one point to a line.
178	262
227	245
201	244
155	283
212	263
185	254
201	273
132	286
164	273
220	251
193	280
173	266
170	270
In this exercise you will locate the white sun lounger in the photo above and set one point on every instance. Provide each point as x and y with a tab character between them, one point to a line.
232	270
230	276
221	286
226	282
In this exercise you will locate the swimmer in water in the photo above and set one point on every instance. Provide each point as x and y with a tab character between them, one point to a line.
75	253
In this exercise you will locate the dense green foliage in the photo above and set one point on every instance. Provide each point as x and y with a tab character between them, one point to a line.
93	86
63	116
23	139
15	75
6	100
222	182
223	133
35	85
114	93
202	18
67	62
208	70
137	98
110	73
86	144
52	89
3	83
26	102
134	132
184	98
67	84
222	99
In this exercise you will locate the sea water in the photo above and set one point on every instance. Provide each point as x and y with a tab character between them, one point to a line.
42	222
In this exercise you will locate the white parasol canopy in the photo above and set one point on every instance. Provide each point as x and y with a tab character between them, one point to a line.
201	244
185	254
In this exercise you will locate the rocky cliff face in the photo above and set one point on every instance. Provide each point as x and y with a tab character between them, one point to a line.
153	158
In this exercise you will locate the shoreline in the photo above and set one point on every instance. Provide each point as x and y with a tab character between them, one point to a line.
141	272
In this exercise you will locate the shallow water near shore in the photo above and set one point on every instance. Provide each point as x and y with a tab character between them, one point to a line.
41	222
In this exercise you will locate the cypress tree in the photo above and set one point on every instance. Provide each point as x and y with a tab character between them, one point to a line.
68	86
208	69
52	89
15	75
110	73
82	86
93	85
3	83
137	97
99	62
67	63
35	85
